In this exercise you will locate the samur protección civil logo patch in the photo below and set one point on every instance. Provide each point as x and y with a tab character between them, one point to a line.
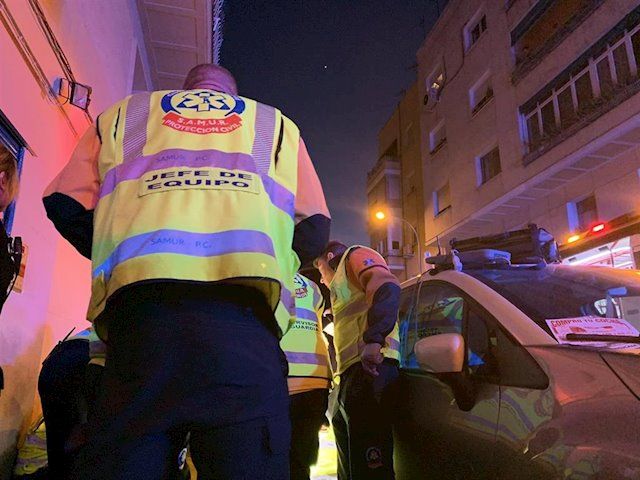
202	111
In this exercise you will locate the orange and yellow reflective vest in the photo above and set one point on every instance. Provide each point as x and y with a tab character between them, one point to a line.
304	344
349	307
172	207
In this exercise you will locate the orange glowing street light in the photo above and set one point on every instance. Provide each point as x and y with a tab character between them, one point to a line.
380	215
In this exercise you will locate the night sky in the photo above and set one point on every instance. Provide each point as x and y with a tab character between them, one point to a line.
336	68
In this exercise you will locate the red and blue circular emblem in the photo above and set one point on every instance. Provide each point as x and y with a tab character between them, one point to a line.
202	111
301	287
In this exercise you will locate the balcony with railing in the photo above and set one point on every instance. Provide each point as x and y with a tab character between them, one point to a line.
383	163
601	79
544	28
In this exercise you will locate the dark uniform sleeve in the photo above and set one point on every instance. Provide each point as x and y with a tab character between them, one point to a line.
72	196
368	270
313	221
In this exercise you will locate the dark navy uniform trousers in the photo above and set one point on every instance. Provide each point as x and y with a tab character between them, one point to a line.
61	386
308	414
362	423
188	358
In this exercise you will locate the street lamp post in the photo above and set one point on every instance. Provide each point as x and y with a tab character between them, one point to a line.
380	215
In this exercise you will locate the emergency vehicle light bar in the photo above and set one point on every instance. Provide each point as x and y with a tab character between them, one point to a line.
596	229
531	245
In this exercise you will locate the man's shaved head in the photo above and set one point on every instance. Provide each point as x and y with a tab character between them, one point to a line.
213	77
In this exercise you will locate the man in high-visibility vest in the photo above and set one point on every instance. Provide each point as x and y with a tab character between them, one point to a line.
196	207
309	376
69	384
62	386
365	298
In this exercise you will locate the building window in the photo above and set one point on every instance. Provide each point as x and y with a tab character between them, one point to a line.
395	245
489	166
435	83
474	29
582	214
481	93
441	200
437	138
587	212
16	145
585	92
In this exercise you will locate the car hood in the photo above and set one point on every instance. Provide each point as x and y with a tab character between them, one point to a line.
623	362
626	365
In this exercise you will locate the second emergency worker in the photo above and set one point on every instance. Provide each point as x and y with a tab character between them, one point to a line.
365	298
194	206
309	376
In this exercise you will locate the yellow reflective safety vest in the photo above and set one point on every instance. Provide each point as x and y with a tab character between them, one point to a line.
97	348
304	344
32	455
85	334
195	185
349	307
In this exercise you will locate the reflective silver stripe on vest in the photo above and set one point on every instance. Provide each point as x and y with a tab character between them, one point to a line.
186	243
352	350
350	310
392	343
307	358
288	300
306	314
263	141
135	126
355	349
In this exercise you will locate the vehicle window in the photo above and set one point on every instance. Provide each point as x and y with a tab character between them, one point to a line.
405	314
492	354
495	357
439	309
480	342
562	291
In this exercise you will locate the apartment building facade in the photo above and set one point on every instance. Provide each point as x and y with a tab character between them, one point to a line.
114	48
529	114
394	187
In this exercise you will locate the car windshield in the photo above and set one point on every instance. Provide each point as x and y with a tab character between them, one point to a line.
579	298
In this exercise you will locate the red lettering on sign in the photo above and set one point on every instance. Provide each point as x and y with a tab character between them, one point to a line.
202	127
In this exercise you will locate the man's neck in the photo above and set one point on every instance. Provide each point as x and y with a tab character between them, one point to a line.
209	86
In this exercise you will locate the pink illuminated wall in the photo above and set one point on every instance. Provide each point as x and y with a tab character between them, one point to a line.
98	39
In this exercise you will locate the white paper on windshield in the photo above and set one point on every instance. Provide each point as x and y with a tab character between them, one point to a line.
560	327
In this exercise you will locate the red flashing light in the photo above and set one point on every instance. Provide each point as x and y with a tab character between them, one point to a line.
598	228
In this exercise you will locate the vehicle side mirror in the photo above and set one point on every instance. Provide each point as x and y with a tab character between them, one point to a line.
443	353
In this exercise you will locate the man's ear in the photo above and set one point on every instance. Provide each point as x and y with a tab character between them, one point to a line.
330	255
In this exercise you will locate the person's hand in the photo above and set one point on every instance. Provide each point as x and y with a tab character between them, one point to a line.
371	357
